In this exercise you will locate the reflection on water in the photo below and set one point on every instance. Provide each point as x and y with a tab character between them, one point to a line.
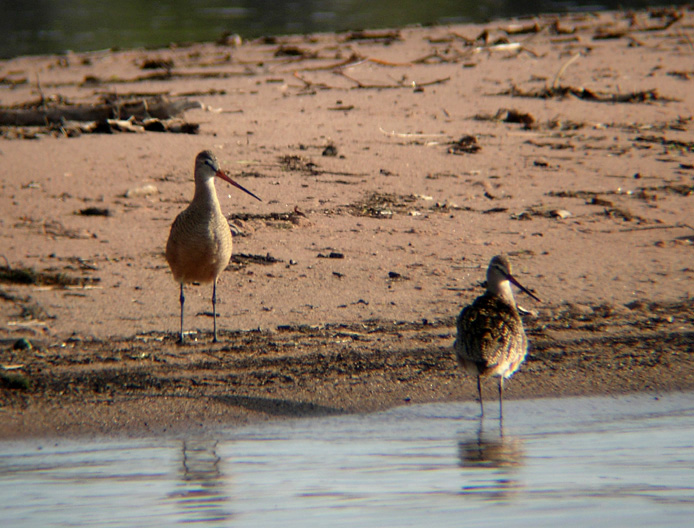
201	491
578	461
490	451
490	462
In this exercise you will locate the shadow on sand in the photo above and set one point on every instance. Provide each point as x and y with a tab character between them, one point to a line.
279	407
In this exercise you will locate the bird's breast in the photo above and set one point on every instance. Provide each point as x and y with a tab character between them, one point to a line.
199	245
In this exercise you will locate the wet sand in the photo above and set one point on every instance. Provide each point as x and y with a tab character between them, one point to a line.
393	165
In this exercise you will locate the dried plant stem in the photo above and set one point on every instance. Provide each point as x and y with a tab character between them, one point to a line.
555	82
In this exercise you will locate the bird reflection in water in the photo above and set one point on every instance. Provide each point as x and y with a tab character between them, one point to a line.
490	462
201	491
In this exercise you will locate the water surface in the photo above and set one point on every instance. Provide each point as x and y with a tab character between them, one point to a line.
572	462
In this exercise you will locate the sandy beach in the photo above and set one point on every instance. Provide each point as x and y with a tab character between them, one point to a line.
392	164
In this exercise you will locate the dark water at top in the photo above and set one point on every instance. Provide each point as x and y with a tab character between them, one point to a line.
55	26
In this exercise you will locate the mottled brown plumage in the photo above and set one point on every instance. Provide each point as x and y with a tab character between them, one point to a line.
199	245
491	340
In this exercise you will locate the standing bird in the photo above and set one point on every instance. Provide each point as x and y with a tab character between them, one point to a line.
199	245
491	340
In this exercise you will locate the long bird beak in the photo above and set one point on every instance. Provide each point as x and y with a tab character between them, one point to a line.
221	174
522	288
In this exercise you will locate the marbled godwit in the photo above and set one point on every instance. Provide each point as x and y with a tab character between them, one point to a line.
491	340
199	245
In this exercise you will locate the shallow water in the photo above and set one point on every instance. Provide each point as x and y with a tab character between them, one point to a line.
570	462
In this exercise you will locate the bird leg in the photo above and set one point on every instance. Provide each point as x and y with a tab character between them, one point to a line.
183	300
501	397
214	309
479	391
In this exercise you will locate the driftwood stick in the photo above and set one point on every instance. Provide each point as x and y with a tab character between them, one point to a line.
144	108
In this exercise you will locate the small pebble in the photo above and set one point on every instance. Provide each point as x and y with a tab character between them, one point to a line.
560	213
22	344
145	190
330	150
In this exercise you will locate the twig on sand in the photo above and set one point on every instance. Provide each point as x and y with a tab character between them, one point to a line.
455	56
310	85
649	228
407	134
686	37
355	60
400	84
555	82
587	94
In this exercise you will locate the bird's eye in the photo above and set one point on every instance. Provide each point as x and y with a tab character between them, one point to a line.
210	164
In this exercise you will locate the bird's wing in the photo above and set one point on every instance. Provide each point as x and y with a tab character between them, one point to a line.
487	330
